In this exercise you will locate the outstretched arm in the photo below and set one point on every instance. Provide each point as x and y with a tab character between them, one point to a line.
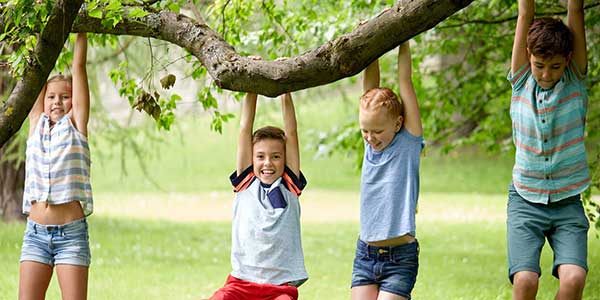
80	111
371	76
292	152
36	110
244	153
575	23
412	120
519	54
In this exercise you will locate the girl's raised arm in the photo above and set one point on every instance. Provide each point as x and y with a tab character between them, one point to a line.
80	111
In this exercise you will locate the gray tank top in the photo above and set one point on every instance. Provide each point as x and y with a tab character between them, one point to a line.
266	242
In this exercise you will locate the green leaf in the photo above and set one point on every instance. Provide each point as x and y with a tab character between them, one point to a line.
95	13
137	12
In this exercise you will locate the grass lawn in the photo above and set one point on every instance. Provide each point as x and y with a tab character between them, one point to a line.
140	254
135	259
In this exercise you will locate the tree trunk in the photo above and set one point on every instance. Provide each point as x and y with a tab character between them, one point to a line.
12	179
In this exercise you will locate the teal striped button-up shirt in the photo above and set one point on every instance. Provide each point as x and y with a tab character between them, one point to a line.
548	127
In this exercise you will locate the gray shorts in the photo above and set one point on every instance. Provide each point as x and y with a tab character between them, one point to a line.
57	244
563	223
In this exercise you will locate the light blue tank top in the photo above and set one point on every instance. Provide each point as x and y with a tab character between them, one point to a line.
389	188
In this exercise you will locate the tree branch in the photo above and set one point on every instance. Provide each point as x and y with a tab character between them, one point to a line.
339	58
40	64
342	57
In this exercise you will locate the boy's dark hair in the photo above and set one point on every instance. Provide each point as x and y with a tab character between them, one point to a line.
549	37
268	132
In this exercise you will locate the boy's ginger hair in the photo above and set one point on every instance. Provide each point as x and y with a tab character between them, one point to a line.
377	98
549	37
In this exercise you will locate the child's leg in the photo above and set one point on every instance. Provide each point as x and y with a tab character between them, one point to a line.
569	242
389	296
365	292
34	278
572	281
526	224
72	259
525	285
73	281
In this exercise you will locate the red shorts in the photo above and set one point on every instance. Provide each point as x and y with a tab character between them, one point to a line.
237	289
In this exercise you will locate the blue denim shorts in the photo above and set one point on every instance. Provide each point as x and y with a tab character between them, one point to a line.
57	244
393	269
562	223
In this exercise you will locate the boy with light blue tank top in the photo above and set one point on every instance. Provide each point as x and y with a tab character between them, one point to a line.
387	254
548	111
266	249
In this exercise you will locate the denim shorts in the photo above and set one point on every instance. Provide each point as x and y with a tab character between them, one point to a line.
393	269
563	223
57	244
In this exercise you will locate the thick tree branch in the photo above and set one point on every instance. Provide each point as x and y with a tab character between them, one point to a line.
40	64
339	58
461	22
342	57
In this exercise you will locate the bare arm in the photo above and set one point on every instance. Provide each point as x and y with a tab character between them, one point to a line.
244	153
80	111
292	151
371	76
519	54
36	110
575	22
412	120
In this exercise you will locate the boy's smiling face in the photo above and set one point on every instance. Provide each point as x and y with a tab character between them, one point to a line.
268	159
548	71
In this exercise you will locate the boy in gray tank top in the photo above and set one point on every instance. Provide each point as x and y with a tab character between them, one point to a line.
266	250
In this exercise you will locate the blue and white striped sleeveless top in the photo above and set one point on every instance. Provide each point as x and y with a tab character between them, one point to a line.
57	166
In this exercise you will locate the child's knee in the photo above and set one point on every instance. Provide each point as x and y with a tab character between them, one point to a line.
284	297
526	280
572	276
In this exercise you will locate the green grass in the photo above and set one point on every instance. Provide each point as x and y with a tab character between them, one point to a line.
166	260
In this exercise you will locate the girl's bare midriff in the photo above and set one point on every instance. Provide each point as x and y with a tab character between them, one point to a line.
50	214
401	240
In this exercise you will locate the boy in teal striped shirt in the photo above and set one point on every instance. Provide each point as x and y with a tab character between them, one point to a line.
548	108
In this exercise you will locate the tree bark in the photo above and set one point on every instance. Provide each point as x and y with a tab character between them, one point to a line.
12	180
39	65
339	58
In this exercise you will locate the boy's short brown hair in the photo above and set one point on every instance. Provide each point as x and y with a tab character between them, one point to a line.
549	37
377	98
268	132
